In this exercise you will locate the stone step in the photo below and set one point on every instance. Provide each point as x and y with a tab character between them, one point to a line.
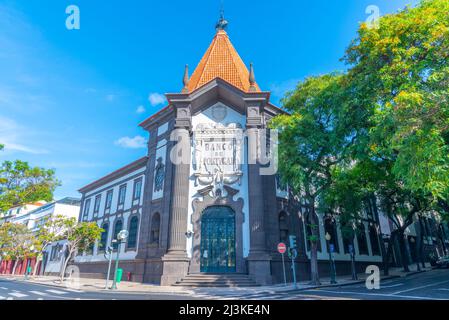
216	280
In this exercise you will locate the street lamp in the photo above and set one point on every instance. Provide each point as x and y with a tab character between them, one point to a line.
121	237
331	260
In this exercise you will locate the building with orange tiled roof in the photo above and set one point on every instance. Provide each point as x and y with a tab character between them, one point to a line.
211	211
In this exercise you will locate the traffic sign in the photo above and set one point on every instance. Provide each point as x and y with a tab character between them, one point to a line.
282	248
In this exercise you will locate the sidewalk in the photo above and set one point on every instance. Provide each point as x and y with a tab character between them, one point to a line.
141	288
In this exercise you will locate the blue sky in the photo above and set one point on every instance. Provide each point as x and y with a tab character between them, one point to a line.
72	100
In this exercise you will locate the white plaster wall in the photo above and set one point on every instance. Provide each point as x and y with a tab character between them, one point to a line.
205	117
128	180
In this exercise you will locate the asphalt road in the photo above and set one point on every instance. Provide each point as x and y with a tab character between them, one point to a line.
21	290
432	285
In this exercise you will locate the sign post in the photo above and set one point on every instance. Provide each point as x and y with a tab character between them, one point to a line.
282	248
293	254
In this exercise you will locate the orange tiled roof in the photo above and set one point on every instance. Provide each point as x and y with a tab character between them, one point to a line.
221	60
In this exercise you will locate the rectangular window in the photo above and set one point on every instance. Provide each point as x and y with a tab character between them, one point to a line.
109	199
86	210
97	205
137	189
121	195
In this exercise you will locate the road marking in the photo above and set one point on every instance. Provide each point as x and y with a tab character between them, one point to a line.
38	293
392	286
380	294
74	290
422	287
3	288
17	294
56	291
442	289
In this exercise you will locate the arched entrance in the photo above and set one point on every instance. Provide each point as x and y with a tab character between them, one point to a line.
218	254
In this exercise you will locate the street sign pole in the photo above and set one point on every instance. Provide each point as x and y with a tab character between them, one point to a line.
293	256
283	268
282	248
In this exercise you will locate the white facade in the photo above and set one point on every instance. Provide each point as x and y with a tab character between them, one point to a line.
130	207
34	219
206	117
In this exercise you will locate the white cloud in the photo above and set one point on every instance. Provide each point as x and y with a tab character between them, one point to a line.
140	109
137	142
156	99
11	136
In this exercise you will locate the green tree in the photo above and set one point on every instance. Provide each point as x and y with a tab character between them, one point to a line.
51	231
319	133
80	236
16	242
20	184
402	70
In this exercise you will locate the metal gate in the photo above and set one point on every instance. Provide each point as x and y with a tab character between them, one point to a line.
218	240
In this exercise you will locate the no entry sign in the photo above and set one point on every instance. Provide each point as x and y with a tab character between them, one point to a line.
282	248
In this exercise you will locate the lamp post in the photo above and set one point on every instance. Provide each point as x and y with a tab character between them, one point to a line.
121	237
109	251
331	260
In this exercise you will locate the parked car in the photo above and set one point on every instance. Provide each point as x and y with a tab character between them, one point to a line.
443	262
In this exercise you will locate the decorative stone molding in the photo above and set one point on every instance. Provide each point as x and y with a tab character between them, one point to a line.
198	209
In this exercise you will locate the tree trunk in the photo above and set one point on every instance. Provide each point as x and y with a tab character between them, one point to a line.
404	256
14	267
389	253
36	265
313	220
64	267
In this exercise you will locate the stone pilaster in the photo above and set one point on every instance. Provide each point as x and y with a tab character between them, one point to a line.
175	261
259	259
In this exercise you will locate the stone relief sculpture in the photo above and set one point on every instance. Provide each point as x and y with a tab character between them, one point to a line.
159	175
218	151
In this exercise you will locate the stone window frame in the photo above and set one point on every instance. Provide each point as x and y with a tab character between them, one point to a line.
97	205
136	181
119	203
131	217
152	242
108	204
86	209
99	248
115	231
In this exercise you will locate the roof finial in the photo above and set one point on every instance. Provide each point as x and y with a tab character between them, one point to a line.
222	23
186	80
252	79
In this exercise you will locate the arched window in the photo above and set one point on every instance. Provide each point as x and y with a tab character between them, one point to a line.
330	227
155	227
361	239
117	228
374	239
104	237
283	227
133	228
